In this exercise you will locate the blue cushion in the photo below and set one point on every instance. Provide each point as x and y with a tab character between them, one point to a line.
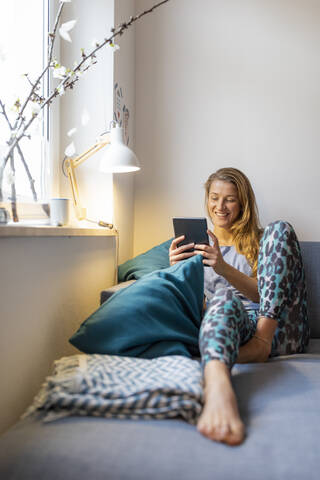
154	259
157	315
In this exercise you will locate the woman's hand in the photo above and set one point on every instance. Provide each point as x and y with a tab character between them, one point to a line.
211	254
176	254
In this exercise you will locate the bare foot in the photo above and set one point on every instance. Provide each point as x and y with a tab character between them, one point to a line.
220	419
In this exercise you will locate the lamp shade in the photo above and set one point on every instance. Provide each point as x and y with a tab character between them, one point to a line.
118	157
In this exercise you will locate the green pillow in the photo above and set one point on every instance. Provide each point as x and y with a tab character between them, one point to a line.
160	314
154	259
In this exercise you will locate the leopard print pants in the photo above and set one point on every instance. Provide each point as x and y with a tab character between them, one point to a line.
226	324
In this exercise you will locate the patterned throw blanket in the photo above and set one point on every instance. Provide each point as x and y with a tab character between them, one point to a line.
121	387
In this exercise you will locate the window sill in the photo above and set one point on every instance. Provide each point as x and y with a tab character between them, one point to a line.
29	230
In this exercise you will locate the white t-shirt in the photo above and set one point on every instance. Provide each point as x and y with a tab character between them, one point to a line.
213	281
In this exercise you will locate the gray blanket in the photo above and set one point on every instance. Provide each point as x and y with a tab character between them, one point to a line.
121	387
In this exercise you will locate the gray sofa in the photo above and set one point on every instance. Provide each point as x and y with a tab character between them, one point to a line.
279	402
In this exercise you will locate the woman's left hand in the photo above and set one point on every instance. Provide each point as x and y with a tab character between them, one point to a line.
211	254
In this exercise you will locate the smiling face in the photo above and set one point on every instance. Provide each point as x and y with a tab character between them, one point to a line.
223	204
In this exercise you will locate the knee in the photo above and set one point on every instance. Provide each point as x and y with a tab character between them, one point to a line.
225	303
222	296
279	230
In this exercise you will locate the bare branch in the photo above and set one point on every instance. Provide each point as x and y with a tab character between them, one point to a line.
4	113
13	191
118	31
31	180
52	36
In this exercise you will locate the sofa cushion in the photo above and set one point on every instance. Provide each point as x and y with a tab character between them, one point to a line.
154	259
159	314
106	294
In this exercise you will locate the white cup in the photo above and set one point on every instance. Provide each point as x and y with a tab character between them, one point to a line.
59	211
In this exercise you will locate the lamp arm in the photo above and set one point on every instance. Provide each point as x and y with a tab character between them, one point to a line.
79	211
72	163
104	140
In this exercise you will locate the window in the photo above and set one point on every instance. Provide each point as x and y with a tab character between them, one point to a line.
23	41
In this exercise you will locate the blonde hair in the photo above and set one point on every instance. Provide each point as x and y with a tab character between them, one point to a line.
246	230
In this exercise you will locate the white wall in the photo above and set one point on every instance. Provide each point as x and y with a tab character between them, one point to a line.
48	286
106	197
227	84
92	94
124	76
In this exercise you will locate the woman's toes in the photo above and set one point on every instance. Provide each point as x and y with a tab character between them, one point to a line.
221	432
236	435
206	428
203	427
232	434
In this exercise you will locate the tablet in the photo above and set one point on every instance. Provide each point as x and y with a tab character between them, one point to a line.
194	229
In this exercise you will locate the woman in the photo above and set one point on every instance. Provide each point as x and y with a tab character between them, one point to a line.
254	292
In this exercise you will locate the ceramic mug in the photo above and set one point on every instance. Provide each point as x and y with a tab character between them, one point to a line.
59	211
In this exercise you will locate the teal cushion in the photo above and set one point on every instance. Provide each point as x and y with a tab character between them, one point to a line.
158	315
154	259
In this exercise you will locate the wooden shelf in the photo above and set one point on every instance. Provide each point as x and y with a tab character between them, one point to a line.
19	230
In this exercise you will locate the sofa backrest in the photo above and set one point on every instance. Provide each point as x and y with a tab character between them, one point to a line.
311	261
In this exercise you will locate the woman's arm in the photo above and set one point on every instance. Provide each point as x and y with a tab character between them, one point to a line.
212	256
258	348
248	286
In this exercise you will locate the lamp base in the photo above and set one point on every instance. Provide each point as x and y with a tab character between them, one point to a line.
81	213
104	224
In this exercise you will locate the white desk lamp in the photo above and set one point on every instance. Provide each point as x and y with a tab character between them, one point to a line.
118	158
